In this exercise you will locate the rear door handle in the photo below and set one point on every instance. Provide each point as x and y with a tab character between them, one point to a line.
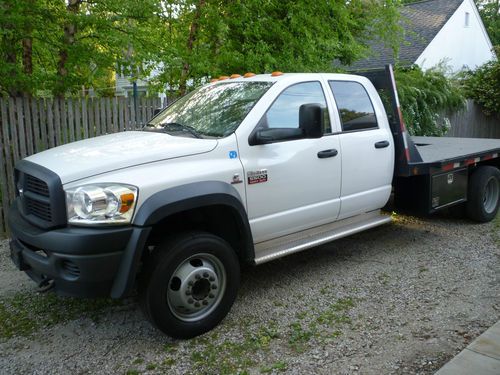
327	153
382	144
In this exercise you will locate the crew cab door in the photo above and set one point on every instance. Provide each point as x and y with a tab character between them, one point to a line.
367	147
292	184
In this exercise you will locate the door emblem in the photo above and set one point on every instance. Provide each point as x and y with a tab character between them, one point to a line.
256	177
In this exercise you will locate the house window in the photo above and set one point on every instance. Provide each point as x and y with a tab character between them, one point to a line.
467	19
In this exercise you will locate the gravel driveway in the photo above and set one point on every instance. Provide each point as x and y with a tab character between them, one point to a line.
402	298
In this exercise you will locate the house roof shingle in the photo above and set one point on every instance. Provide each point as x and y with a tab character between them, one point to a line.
421	22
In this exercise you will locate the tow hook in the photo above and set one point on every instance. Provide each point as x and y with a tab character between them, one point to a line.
45	285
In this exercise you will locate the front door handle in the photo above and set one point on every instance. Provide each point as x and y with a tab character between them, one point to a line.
382	144
327	153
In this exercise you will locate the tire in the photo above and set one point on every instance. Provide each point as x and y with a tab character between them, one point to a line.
189	284
483	194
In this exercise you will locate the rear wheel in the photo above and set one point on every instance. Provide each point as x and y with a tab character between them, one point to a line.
483	194
189	284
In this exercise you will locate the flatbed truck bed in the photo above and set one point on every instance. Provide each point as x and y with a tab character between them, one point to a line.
433	173
448	149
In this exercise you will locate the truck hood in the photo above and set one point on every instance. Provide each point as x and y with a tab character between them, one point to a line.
94	156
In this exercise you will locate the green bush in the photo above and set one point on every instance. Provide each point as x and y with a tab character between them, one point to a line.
483	86
425	96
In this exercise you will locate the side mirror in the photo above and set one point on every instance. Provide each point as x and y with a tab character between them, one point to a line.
312	120
156	111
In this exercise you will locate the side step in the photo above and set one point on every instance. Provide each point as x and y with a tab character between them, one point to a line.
293	243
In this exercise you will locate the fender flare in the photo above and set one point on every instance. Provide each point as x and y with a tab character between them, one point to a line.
174	200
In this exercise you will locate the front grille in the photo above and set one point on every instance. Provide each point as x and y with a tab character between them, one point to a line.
41	198
39	209
36	186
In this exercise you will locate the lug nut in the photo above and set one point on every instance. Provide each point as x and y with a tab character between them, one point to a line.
205	275
205	303
190	300
214	286
211	295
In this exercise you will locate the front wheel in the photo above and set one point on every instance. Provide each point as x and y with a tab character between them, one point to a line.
483	194
189	284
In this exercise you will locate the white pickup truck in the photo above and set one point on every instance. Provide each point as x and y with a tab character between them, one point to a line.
241	170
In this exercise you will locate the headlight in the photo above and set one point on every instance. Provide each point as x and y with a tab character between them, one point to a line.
101	204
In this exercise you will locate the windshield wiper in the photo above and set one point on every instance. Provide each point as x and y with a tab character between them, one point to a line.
185	128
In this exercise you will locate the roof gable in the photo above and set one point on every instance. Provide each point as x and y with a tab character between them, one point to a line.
421	22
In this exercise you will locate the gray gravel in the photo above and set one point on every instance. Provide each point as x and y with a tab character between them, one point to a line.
403	298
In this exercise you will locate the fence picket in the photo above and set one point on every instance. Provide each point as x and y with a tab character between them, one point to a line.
71	120
64	122
121	111
57	122
13	129
78	125
28	129
85	119
36	126
7	194
42	107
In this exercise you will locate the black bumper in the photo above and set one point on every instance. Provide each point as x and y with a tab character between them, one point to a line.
82	262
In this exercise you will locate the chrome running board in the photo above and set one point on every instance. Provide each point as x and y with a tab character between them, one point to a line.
295	242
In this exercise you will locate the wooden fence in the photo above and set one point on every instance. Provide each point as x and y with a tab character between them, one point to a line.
28	126
471	122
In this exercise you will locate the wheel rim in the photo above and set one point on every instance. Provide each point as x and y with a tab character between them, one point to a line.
196	287
491	194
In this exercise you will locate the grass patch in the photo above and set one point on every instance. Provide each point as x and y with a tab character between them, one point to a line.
231	357
278	366
320	326
24	313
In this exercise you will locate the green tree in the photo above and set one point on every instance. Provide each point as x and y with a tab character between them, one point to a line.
425	96
490	13
483	86
60	46
218	37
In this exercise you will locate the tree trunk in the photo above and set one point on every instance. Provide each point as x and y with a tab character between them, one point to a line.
193	31
70	30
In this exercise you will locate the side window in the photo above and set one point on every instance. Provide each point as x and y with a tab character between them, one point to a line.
354	104
284	112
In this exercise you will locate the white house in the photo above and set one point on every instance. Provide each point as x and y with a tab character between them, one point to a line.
435	31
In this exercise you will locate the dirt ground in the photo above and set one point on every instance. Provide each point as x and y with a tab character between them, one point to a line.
399	299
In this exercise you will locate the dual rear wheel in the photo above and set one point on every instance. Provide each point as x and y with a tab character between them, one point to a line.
483	195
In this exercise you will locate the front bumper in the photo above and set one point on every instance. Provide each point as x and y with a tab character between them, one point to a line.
81	262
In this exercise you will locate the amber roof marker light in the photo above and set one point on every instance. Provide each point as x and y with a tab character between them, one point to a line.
233	76
249	74
222	78
276	74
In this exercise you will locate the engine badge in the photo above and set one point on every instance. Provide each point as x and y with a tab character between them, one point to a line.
256	177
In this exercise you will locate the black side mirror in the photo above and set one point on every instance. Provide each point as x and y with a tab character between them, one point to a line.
156	111
312	120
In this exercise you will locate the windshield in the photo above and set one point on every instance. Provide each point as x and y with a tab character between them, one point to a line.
210	111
